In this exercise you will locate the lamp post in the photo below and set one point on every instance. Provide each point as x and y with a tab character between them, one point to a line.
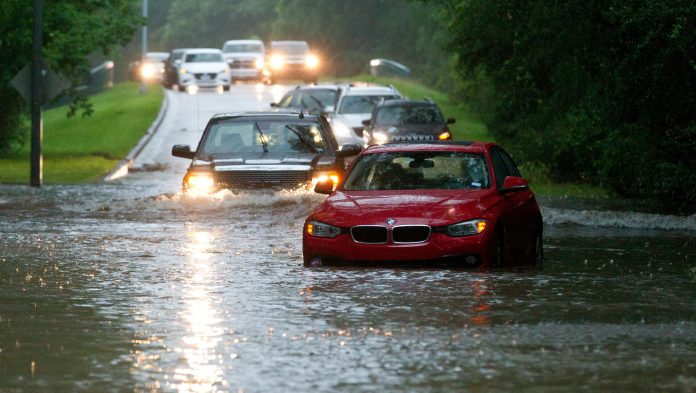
143	86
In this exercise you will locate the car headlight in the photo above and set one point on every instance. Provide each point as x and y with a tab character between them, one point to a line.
277	61
319	229
312	61
259	63
340	129
200	183
147	71
324	176
379	138
183	71
467	228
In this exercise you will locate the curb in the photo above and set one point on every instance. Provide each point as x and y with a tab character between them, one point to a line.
121	169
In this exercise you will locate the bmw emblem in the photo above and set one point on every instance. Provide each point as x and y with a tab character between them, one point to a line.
391	221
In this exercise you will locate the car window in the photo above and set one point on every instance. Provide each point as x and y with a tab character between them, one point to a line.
361	103
408	114
418	170
316	99
203	58
501	170
286	101
509	164
243	136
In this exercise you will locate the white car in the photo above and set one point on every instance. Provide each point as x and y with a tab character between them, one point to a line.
203	68
246	58
355	104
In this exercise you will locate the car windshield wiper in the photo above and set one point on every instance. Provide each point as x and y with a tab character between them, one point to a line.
264	142
315	99
302	139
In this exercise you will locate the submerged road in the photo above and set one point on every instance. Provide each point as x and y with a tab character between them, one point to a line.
131	286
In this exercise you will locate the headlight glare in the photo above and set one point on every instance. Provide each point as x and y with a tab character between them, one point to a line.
341	129
319	229
200	183
277	61
467	228
379	138
259	63
312	61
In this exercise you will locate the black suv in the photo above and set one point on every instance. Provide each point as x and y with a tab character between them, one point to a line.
406	120
263	149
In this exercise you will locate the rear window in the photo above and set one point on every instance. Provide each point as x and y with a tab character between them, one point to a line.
354	104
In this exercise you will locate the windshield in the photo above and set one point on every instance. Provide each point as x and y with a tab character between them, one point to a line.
411	114
203	58
361	104
281	136
418	170
299	48
239	48
316	99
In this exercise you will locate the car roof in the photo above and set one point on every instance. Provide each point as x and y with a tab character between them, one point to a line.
369	90
298	42
243	42
459	146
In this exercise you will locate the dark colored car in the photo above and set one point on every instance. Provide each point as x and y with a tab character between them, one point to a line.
291	60
459	203
407	120
263	149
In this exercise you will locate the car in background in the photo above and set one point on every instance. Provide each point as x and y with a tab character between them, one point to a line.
150	68
457	203
406	120
354	105
321	98
291	60
171	67
246	59
203	67
283	149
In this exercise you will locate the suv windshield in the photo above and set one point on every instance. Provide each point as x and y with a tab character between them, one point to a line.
418	170
203	58
299	48
409	114
238	48
361	104
241	135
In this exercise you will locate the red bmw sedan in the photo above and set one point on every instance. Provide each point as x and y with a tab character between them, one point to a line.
454	203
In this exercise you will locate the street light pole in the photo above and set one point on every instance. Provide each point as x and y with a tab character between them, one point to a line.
36	99
143	87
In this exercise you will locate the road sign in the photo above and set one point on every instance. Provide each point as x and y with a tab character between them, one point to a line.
53	84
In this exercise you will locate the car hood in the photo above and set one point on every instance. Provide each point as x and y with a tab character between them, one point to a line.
407	207
353	120
204	67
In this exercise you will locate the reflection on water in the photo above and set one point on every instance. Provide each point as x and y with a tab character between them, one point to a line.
132	286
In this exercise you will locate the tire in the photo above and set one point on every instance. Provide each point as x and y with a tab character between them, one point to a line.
539	249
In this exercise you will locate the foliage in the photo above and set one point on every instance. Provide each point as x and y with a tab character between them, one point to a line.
599	91
72	31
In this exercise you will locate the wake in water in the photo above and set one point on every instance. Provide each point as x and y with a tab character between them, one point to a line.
617	219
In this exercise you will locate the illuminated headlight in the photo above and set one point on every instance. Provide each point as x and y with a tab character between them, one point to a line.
312	61
319	229
379	138
259	63
277	61
467	228
324	176
444	136
340	129
183	71
200	183
147	71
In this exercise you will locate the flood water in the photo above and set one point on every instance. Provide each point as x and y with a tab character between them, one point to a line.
130	286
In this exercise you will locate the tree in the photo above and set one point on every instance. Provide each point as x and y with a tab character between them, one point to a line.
72	30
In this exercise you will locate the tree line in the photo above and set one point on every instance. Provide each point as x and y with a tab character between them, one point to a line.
599	91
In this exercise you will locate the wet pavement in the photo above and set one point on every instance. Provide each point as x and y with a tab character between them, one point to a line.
131	286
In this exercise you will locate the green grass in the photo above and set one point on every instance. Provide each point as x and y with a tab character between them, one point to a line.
84	149
470	127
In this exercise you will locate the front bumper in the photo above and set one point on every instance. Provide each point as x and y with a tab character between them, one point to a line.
438	248
204	79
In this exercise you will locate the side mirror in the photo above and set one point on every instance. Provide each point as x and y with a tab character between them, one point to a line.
183	151
514	184
451	120
177	62
274	104
366	122
324	187
349	149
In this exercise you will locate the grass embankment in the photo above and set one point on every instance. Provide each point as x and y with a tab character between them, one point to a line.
83	149
469	127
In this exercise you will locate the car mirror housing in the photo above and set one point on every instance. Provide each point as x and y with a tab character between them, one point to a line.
366	122
183	151
514	184
349	149
451	120
324	187
274	104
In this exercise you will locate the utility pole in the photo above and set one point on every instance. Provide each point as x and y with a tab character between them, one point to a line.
36	99
143	87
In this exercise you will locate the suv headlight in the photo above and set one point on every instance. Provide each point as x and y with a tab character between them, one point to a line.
341	129
467	228
379	138
259	63
200	182
312	61
319	229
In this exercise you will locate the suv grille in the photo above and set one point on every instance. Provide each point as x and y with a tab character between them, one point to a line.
410	234
369	234
243	64
287	179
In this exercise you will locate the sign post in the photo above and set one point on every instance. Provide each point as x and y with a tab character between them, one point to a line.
36	99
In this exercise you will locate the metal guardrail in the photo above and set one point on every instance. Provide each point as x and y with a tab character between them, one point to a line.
386	67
